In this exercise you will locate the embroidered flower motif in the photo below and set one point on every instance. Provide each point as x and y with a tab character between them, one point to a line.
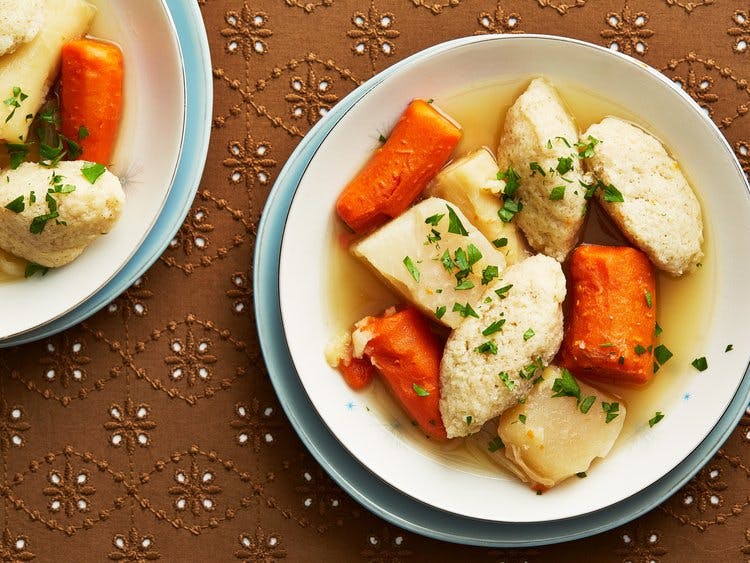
253	425
195	489
381	547
640	546
498	22
13	547
249	161
373	34
192	233
129	425
134	547
319	491
69	490
704	490
628	31
191	360
12	425
563	8
133	300
311	97
241	293
246	32
740	32
65	361
690	6
699	89
260	547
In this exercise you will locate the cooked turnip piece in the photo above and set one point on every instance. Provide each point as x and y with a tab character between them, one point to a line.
434	257
470	183
549	438
659	212
491	360
538	142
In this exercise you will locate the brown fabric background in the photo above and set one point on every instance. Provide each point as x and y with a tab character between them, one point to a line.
151	432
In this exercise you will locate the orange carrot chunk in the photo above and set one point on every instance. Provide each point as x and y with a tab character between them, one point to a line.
357	372
407	354
91	80
419	145
609	333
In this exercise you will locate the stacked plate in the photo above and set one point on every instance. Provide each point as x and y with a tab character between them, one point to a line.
162	147
367	456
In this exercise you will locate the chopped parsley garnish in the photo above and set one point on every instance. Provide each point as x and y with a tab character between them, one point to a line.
612	410
465	310
92	171
639	349
621	360
701	364
505	378
512	181
656	367
17	205
528	334
495	444
14	102
564	140
83	133
433	237
557	193
434	219
586	150
662	354
440	311
590	189
581	475
656	418
497	326
447	261
421	391
40	221
566	385
535	167
549	143
489	347
522	418
729	348
465	284
649	299
564	165
468	420
500	242
509	209
454	223
657	330
612	194
32	197
51	155
32	269
382	139
586	404
503	291
412	268
489	274
473	254
530	370
17	153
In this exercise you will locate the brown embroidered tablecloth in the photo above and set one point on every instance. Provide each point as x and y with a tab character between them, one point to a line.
152	432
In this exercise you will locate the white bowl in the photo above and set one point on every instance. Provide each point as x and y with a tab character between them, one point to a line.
146	157
644	457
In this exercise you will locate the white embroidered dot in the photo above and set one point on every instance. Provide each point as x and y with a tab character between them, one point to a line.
242	438
385	21
741	45
653	538
626	539
146	542
268	412
322	111
640	47
199	215
688	500
245	541
200	242
54	478
119	542
399	540
117	439
77	374
485	22
640	21
54	505
386	48
706	111
512	22
180	477
241	410
262	177
613	20
16	439
203	373
176	346
207	476
614	46
142	439
115	412
747	436
307	477
714	473
235	149
208	504
239	307
323	86
714	500
262	149
82	504
743	152
334	503
679	82
203	346
181	504
173	243
141	412
176	373
138	282
739	18
81	478
308	502
15	414
231	20
360	48
232	46
358	21
268	438
704	84
236	177
297	111
297	85
258	20
112	307
50	347
50	374
373	540
77	347
20	544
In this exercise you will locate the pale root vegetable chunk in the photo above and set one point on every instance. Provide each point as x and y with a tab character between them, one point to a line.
491	359
20	21
33	67
549	439
470	183
433	256
659	211
85	211
538	142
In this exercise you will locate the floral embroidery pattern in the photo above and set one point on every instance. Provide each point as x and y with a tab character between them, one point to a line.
690	6
311	97
134	547
260	547
561	7
253	424
192	234
12	425
498	22
699	89
742	150
129	425
638	545
741	31
247	32
69	490
381	547
195	489
705	489
13	547
65	361
628	32
241	293
134	300
249	161
373	34
191	360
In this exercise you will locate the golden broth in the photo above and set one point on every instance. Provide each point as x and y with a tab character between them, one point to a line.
684	306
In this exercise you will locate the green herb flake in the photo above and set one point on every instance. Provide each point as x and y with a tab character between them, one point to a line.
464	285
33	268
454	223
557	193
17	153
489	347
440	311
497	326
489	274
581	475
586	150
662	354
656	367
502	293
434	219
505	378
83	133
17	205
382	139
500	242
729	348
639	349
564	140
621	360
495	444
612	194
421	391
92	171
657	330
512	181
411	268
14	102
522	418
649	299
447	261
535	167
701	364
564	165
655	419
509	209
566	385
465	310
40	221
473	254
611	410
549	143
586	404
528	334
468	420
